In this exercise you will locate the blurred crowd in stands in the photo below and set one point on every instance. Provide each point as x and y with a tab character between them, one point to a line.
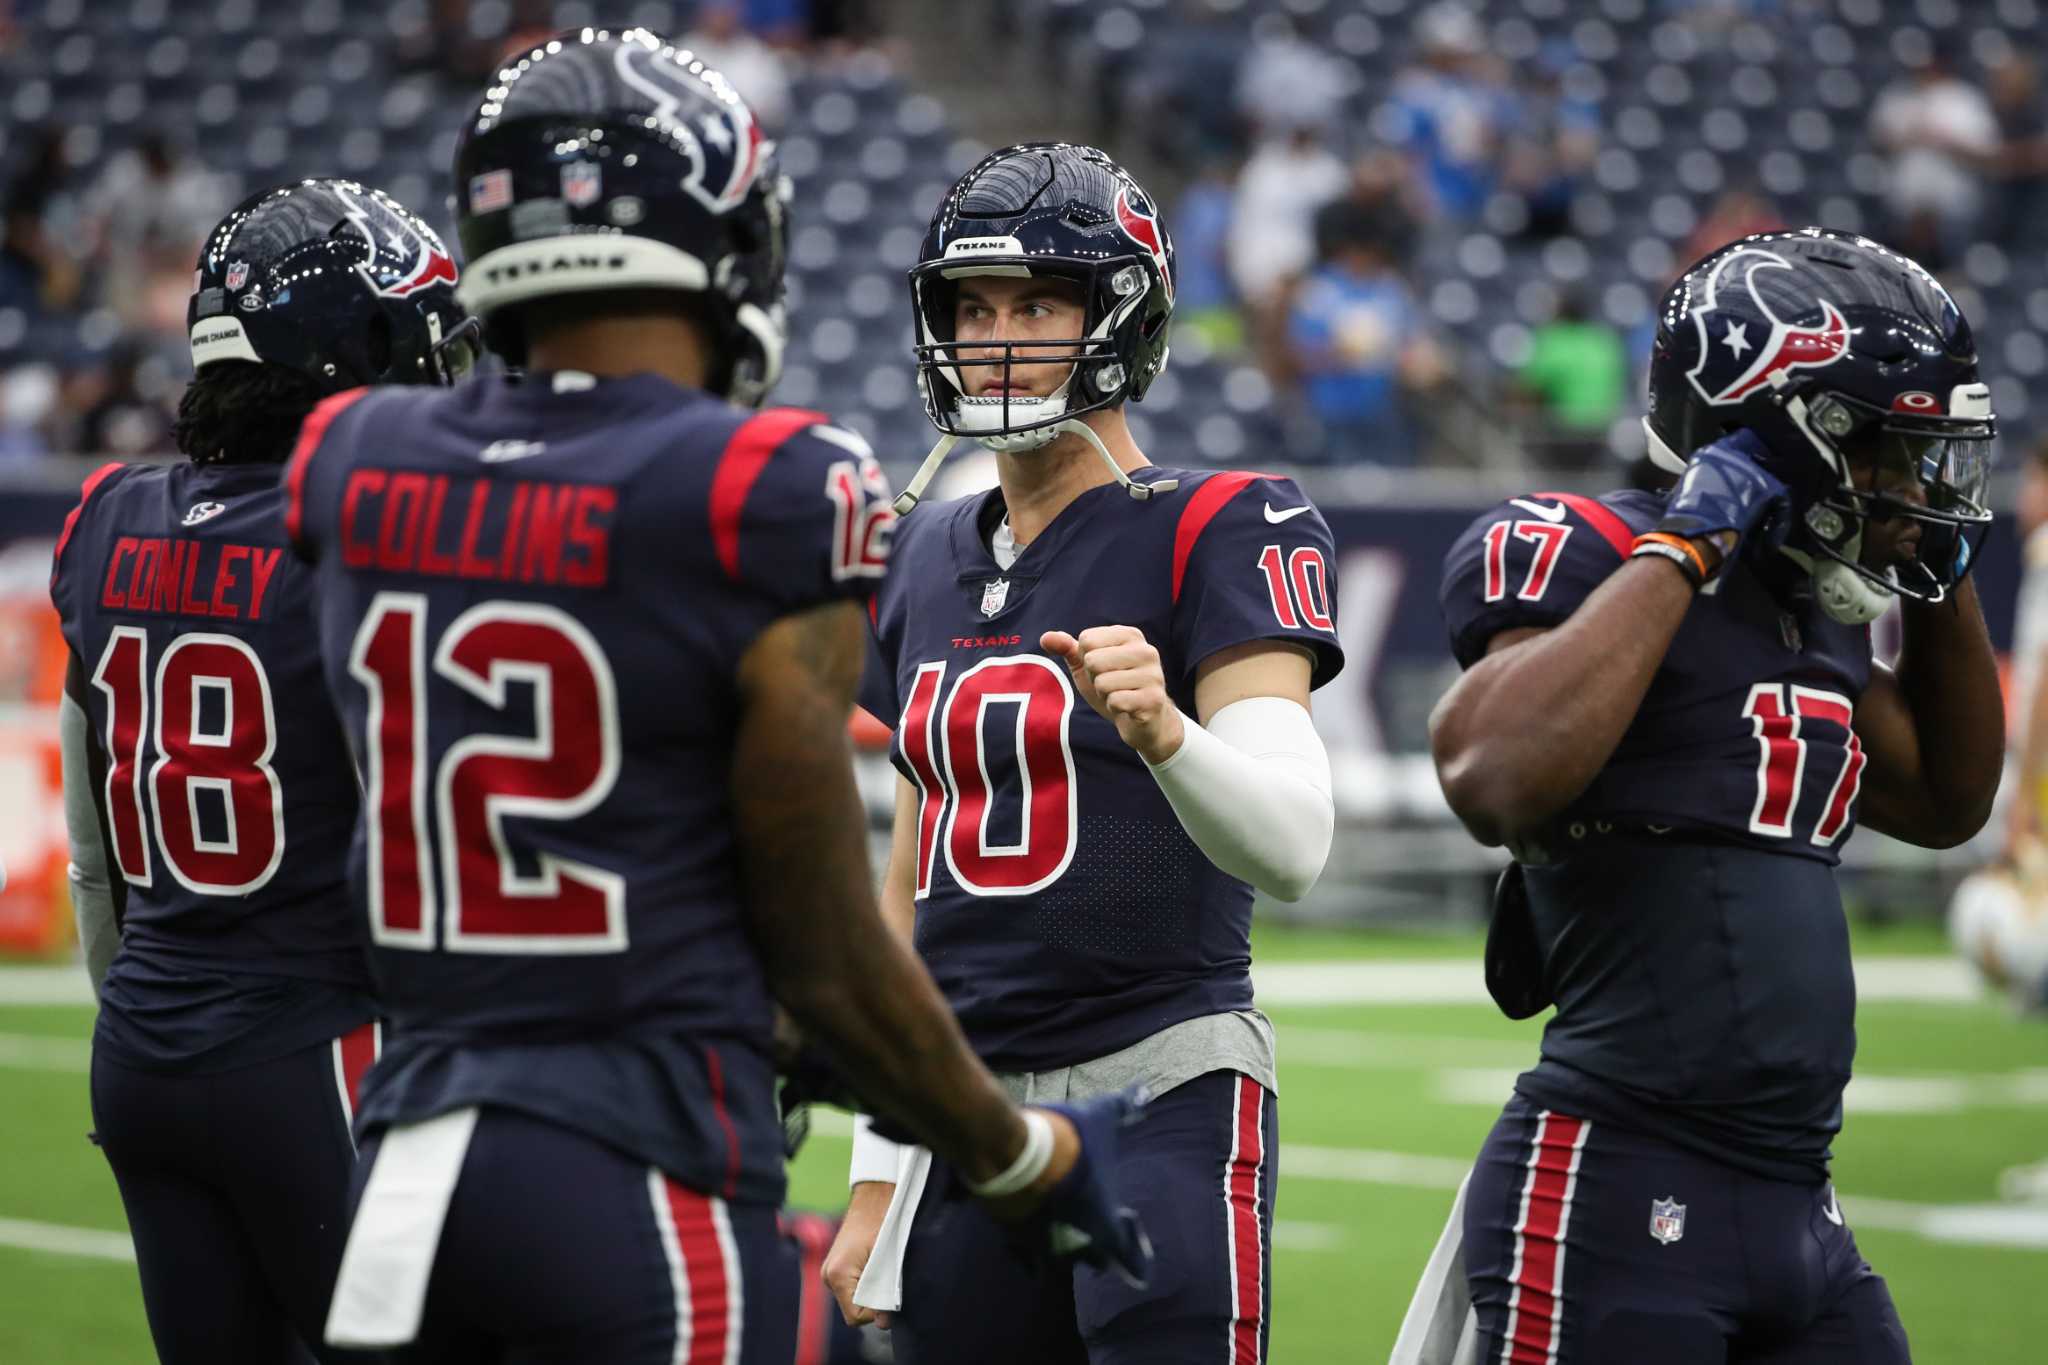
109	242
1297	232
1340	221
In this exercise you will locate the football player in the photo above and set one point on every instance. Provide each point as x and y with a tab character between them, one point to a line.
1100	675
208	790
594	632
1670	714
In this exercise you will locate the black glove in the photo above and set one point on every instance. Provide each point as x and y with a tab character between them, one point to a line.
1089	1220
1727	488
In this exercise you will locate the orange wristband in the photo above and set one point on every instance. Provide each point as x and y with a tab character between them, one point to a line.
1662	543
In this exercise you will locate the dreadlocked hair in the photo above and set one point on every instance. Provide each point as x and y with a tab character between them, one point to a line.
243	412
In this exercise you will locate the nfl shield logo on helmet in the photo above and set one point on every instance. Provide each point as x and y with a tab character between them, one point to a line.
994	594
582	183
238	274
1667	1220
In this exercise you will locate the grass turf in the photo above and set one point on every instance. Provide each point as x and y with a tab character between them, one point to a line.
1343	1273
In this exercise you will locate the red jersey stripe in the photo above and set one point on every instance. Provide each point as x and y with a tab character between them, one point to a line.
1202	506
311	433
85	492
759	437
1611	527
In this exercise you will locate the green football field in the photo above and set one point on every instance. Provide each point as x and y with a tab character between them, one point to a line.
1382	1105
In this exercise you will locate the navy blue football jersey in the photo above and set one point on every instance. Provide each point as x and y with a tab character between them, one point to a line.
225	793
534	599
1745	732
1060	906
1685	904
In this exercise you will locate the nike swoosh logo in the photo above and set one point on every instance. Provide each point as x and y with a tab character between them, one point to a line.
1833	1212
1555	512
1277	517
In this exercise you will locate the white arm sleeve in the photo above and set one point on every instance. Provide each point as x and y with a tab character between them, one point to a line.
92	894
1253	791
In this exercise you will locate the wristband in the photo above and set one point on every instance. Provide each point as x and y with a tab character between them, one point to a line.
875	1158
1677	549
1029	1165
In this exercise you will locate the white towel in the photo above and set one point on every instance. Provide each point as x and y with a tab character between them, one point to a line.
881	1281
1441	1328
381	1290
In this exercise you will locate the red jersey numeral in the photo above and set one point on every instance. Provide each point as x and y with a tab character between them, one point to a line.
1776	712
210	721
1547	537
862	518
957	793
565	768
1299	584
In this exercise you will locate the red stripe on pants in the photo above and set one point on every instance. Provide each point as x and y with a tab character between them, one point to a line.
1247	1158
705	1278
359	1048
1533	1307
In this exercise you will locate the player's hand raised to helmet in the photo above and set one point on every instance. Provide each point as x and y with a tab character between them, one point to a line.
1117	671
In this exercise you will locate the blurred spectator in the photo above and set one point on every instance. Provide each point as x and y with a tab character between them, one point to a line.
123	421
37	274
1449	109
1552	145
2022	113
1577	374
1288	83
1740	212
1943	137
1382	192
1359	344
721	41
150	211
1175	95
1203	301
1272	238
28	398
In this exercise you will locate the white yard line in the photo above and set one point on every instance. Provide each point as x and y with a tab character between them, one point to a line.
59	984
1942	1093
1929	978
1937	979
32	1052
62	1241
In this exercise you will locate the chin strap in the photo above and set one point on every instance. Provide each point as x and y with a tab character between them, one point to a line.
913	492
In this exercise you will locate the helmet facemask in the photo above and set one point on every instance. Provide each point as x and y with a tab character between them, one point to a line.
1946	456
1102	365
1099	375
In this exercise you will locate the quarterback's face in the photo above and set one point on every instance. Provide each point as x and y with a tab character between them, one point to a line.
996	309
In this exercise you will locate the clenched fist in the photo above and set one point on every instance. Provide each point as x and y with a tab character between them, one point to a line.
1117	671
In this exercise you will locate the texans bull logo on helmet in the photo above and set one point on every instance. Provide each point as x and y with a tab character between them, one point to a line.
425	261
724	147
1141	225
1733	364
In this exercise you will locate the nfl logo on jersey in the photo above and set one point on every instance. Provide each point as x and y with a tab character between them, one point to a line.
994	593
1667	1220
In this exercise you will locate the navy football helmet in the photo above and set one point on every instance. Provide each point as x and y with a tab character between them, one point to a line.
1835	350
335	280
1043	209
603	161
